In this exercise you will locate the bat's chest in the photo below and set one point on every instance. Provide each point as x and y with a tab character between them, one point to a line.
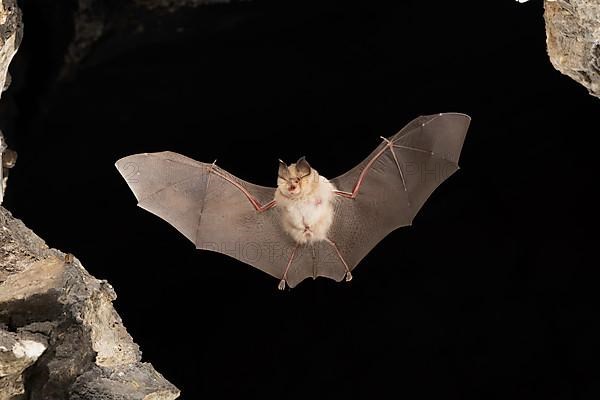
309	211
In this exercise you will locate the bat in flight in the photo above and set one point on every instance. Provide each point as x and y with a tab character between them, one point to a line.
308	226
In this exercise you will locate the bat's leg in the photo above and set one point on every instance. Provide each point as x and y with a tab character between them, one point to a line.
257	206
348	273
281	285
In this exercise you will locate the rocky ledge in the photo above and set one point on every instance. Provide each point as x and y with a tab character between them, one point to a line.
60	337
573	38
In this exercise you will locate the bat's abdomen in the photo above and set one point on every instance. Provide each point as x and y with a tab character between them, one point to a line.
308	219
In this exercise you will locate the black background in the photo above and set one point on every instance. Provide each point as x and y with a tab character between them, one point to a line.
489	293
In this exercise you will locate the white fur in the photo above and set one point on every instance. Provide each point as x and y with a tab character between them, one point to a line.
307	218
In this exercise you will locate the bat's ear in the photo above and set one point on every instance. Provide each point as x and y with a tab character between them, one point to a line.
284	172
303	167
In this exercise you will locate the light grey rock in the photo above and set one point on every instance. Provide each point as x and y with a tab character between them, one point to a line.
573	39
11	30
61	320
60	337
18	351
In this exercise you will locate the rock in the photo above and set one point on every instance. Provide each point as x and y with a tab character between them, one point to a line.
3	147
18	351
8	158
100	383
60	337
11	30
573	39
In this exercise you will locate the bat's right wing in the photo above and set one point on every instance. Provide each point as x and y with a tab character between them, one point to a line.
387	189
211	207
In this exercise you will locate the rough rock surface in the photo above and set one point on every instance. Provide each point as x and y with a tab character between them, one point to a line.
11	29
18	351
3	147
8	158
60	337
573	39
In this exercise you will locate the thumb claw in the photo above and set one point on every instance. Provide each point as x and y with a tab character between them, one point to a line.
281	285
348	276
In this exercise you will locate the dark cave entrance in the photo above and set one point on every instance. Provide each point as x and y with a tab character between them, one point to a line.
248	83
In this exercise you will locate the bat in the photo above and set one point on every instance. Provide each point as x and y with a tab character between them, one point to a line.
307	226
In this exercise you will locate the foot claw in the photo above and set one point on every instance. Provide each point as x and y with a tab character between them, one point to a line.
348	276
281	285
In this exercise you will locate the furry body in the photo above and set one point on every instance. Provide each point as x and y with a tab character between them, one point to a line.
306	204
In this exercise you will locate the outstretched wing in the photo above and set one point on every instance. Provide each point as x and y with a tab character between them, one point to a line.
210	207
393	183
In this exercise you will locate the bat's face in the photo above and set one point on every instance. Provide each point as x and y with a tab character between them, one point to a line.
296	179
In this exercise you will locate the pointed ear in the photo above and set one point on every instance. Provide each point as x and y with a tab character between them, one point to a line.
284	172
303	167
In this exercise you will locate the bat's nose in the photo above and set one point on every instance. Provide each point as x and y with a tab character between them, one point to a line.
292	187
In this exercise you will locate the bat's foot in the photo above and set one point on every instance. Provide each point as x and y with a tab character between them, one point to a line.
281	285
348	276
